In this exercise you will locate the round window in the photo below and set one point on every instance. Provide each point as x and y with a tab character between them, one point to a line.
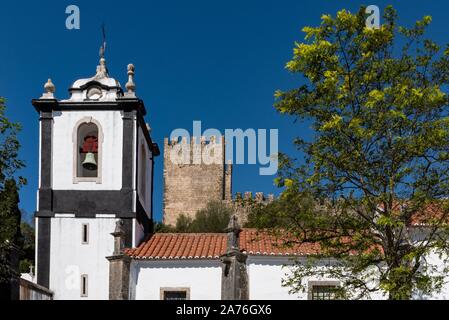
94	93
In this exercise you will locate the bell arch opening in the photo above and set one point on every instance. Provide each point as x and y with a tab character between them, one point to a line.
87	159
87	138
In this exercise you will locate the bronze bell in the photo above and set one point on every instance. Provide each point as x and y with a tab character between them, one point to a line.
89	162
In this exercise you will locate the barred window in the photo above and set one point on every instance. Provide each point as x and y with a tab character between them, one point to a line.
175	293
323	292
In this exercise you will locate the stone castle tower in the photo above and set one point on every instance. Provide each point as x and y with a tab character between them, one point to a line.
195	173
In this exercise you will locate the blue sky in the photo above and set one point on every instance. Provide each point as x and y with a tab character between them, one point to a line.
215	61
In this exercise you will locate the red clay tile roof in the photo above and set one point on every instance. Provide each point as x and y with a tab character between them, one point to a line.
433	213
256	242
212	245
180	246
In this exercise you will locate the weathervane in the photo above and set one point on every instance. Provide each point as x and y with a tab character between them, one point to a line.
102	70
103	46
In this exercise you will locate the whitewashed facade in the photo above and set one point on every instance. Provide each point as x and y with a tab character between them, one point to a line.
96	161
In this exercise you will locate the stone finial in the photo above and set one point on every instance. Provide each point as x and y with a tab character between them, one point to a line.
102	70
234	279
130	85
248	195
233	231
233	224
119	227
49	90
118	235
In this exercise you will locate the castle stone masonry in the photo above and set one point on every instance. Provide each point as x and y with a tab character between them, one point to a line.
195	173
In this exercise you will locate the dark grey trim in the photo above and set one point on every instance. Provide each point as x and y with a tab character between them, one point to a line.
152	194
128	230
98	84
45	200
127	152
46	119
43	252
143	218
151	145
55	105
128	104
44	105
141	215
45	195
136	164
88	203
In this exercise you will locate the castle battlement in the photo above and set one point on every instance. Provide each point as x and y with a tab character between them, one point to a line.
242	204
259	197
195	141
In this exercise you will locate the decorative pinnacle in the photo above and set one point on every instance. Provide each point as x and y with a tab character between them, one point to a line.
233	231
102	70
49	90
130	85
118	227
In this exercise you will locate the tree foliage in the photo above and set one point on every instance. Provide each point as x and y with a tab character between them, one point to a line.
378	161
9	147
28	247
10	236
214	218
9	197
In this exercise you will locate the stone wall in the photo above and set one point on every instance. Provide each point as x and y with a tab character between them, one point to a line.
194	174
242	204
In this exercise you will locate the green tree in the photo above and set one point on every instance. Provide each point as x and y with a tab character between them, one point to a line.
10	235
9	148
378	160
28	247
9	197
280	213
183	223
214	218
159	227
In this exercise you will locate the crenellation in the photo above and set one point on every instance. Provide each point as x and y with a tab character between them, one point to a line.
242	205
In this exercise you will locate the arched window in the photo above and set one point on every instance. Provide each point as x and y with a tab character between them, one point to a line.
87	153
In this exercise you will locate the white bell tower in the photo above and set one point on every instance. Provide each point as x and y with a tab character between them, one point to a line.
96	166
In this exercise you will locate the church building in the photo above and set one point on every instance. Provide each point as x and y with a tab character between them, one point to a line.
94	217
